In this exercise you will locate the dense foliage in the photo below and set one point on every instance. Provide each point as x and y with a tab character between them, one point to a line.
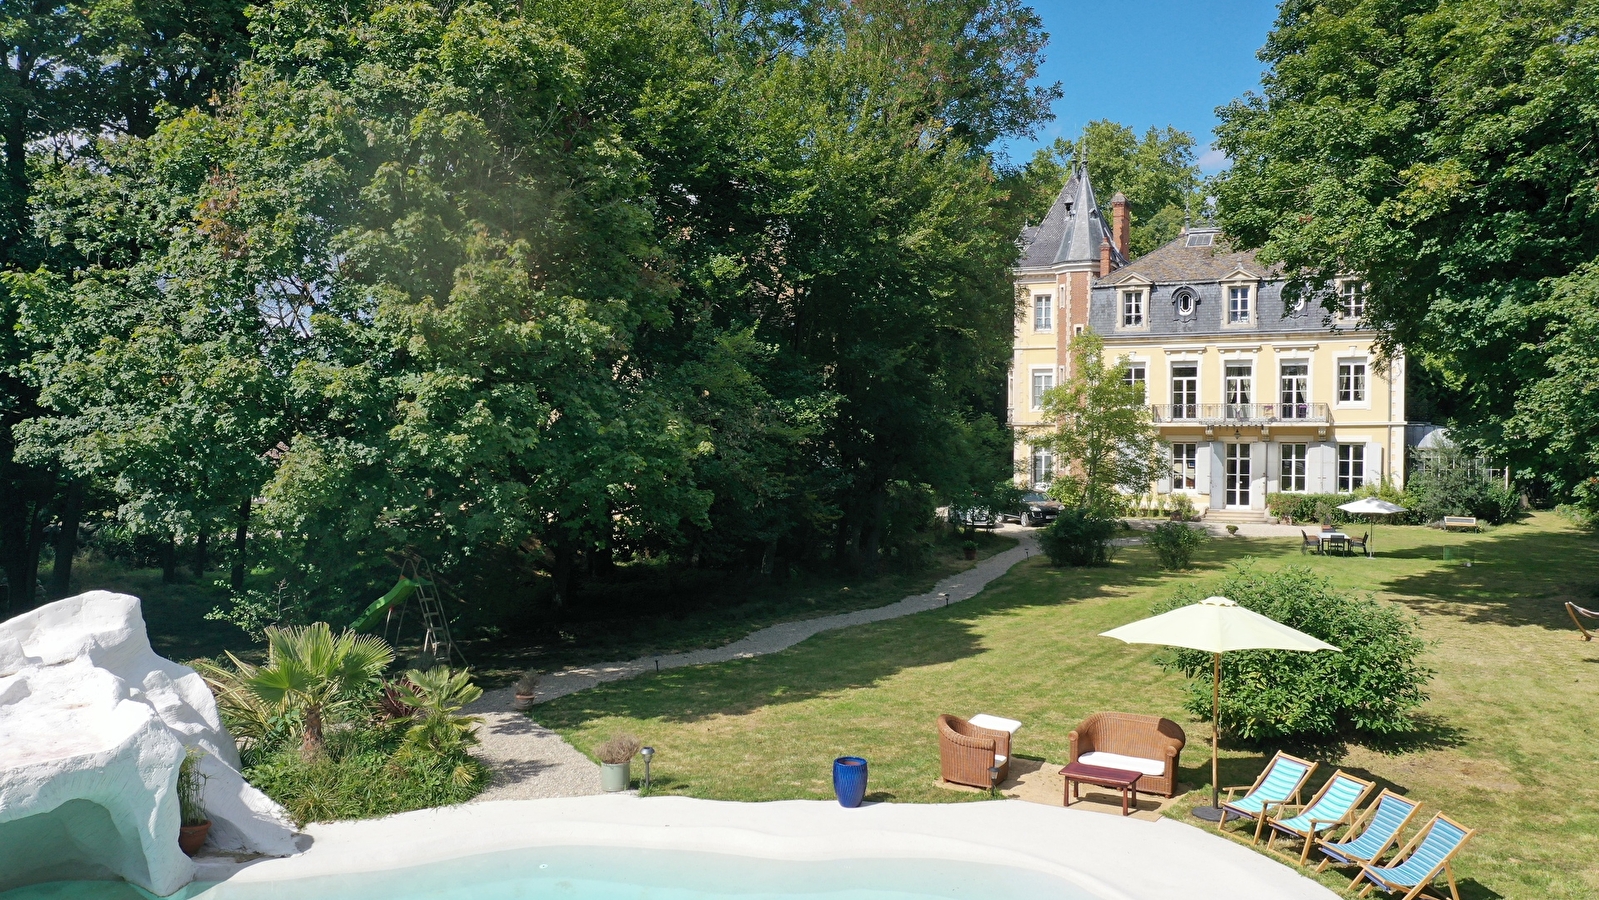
1443	152
1373	686
528	288
1078	537
1175	544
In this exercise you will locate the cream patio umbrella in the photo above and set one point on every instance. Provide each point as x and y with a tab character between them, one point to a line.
1216	625
1371	506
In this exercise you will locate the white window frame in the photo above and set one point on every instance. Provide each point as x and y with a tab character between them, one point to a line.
1043	303
1126	299
1141	367
1287	479
1248	317
1351	288
1171	393
1040	459
1350	458
1251	398
1184	466
1310	382
1364	401
1034	396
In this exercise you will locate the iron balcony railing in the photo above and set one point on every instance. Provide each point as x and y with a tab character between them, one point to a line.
1241	413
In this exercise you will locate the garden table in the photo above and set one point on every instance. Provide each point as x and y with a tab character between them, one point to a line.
1078	773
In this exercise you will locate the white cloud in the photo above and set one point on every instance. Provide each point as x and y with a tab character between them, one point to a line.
1213	160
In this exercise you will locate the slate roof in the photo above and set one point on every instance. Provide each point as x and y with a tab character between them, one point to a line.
1177	263
1072	230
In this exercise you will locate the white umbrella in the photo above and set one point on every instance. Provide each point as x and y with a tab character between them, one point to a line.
1371	506
1216	625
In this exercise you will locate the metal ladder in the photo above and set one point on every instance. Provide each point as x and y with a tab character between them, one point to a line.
436	639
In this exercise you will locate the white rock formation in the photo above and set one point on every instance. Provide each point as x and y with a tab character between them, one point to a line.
93	727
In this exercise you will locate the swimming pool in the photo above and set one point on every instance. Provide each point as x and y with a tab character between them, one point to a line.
619	873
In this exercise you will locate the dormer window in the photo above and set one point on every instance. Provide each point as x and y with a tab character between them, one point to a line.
1238	306
1185	302
1133	308
1351	299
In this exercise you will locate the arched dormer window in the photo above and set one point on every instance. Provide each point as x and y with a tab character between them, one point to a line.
1185	301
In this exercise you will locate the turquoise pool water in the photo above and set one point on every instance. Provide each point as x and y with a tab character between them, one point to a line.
595	873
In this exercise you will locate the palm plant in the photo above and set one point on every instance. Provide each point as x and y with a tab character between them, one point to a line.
438	694
311	669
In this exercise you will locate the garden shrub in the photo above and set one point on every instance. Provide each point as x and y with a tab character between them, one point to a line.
1077	537
1453	484
1371	687
1175	544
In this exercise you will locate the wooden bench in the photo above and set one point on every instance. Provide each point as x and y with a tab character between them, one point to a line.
1461	522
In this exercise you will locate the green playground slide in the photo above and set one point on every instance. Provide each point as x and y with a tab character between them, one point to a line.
401	591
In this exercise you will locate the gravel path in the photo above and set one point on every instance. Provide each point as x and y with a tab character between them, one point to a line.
530	762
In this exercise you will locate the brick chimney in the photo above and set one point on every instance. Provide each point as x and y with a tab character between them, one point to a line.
1118	221
1104	257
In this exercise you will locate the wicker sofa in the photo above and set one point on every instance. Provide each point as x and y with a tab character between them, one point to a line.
1149	745
966	752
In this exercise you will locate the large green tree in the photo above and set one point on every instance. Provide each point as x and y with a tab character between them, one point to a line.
1102	432
1441	151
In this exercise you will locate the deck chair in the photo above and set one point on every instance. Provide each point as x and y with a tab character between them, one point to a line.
1415	867
1573	610
1359	543
1280	783
1333	805
1371	835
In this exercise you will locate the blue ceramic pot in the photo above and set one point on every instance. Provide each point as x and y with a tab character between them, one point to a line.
849	780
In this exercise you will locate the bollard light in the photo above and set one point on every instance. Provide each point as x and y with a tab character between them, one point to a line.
993	780
647	752
945	597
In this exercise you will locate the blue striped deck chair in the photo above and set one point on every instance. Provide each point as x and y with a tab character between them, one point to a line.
1415	867
1280	783
1334	805
1377	830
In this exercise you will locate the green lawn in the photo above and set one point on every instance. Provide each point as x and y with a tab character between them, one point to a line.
1508	743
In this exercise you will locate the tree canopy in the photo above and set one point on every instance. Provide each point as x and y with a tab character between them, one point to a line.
1442	151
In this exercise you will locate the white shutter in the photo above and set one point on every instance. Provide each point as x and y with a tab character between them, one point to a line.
1323	466
1218	473
1373	462
1257	475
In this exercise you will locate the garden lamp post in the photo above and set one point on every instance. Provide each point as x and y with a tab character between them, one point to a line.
993	780
1216	625
647	753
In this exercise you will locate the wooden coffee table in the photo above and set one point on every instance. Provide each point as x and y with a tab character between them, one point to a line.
1102	776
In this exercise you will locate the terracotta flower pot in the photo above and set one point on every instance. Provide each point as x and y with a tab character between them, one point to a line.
971	554
190	837
522	702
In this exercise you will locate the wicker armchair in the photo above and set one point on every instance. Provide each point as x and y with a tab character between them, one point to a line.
966	752
1130	734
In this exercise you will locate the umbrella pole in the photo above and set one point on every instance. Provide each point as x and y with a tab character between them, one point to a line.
1215	732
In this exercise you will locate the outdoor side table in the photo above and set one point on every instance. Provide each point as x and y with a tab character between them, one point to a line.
1078	773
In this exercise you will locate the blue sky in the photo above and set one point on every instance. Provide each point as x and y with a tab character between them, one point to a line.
1148	62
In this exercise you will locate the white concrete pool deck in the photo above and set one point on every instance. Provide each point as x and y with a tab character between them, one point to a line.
1111	857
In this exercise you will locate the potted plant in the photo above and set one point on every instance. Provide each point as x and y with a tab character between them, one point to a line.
616	762
1232	530
970	549
526	689
191	803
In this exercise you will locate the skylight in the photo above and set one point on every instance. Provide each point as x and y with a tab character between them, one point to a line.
1201	240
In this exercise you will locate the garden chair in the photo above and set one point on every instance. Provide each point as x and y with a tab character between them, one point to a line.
1371	835
1308	543
966	752
1415	867
1359	543
1333	805
1280	783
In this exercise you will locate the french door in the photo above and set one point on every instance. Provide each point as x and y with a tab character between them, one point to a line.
1185	391
1296	390
1237	483
1238	388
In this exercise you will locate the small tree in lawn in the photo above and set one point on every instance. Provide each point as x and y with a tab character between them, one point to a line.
1103	432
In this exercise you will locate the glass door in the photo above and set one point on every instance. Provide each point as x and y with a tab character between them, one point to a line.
1296	390
1185	391
1238	388
1237	476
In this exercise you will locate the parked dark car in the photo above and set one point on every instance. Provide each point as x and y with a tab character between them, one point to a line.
1034	509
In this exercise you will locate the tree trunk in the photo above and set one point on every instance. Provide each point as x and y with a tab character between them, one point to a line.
202	553
878	512
169	561
240	537
67	539
561	572
311	742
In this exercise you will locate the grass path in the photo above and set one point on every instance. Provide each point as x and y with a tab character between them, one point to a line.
1508	742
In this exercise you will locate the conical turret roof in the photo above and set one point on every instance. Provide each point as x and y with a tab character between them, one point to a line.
1072	230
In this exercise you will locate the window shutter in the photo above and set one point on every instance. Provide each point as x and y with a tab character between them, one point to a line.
1373	462
1164	484
1218	473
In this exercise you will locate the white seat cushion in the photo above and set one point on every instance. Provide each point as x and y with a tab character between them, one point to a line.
999	759
984	720
1130	763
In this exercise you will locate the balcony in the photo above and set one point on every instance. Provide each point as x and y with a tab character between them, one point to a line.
1239	414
